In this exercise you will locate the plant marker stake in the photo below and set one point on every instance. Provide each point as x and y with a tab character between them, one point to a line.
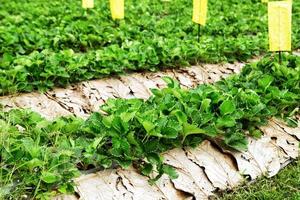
199	14
117	9
280	57
199	32
280	26
87	4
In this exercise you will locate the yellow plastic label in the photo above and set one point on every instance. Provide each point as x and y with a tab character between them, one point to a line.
280	25
117	9
266	1
200	11
88	3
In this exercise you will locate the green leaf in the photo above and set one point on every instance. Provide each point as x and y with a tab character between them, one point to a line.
123	163
34	163
205	105
256	133
147	169
225	121
181	116
49	177
191	129
33	149
151	146
119	125
265	81
131	139
154	158
168	132
171	82
227	107
94	122
148	126
170	171
127	116
151	129
108	120
237	141
96	142
66	188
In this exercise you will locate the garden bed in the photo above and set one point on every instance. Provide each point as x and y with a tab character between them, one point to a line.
209	167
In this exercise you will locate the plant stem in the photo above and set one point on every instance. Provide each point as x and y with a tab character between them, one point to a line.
280	57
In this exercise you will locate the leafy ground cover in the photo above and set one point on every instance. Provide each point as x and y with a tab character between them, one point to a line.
39	157
284	186
53	43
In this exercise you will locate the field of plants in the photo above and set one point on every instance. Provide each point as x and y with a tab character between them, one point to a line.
48	44
54	43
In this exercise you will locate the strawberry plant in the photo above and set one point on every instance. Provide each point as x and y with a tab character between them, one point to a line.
54	43
39	158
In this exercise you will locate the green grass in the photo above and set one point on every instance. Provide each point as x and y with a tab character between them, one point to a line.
285	185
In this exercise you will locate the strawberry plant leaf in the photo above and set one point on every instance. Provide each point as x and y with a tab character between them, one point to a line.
170	171
49	177
237	141
227	107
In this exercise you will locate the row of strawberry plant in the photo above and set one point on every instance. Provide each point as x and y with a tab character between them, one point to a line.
54	43
39	157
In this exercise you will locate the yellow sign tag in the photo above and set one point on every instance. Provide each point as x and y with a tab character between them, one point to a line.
117	9
280	25
88	3
200	11
266	1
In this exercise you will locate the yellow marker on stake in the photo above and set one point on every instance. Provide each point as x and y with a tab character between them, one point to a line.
88	4
199	14
200	11
266	1
117	9
280	25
